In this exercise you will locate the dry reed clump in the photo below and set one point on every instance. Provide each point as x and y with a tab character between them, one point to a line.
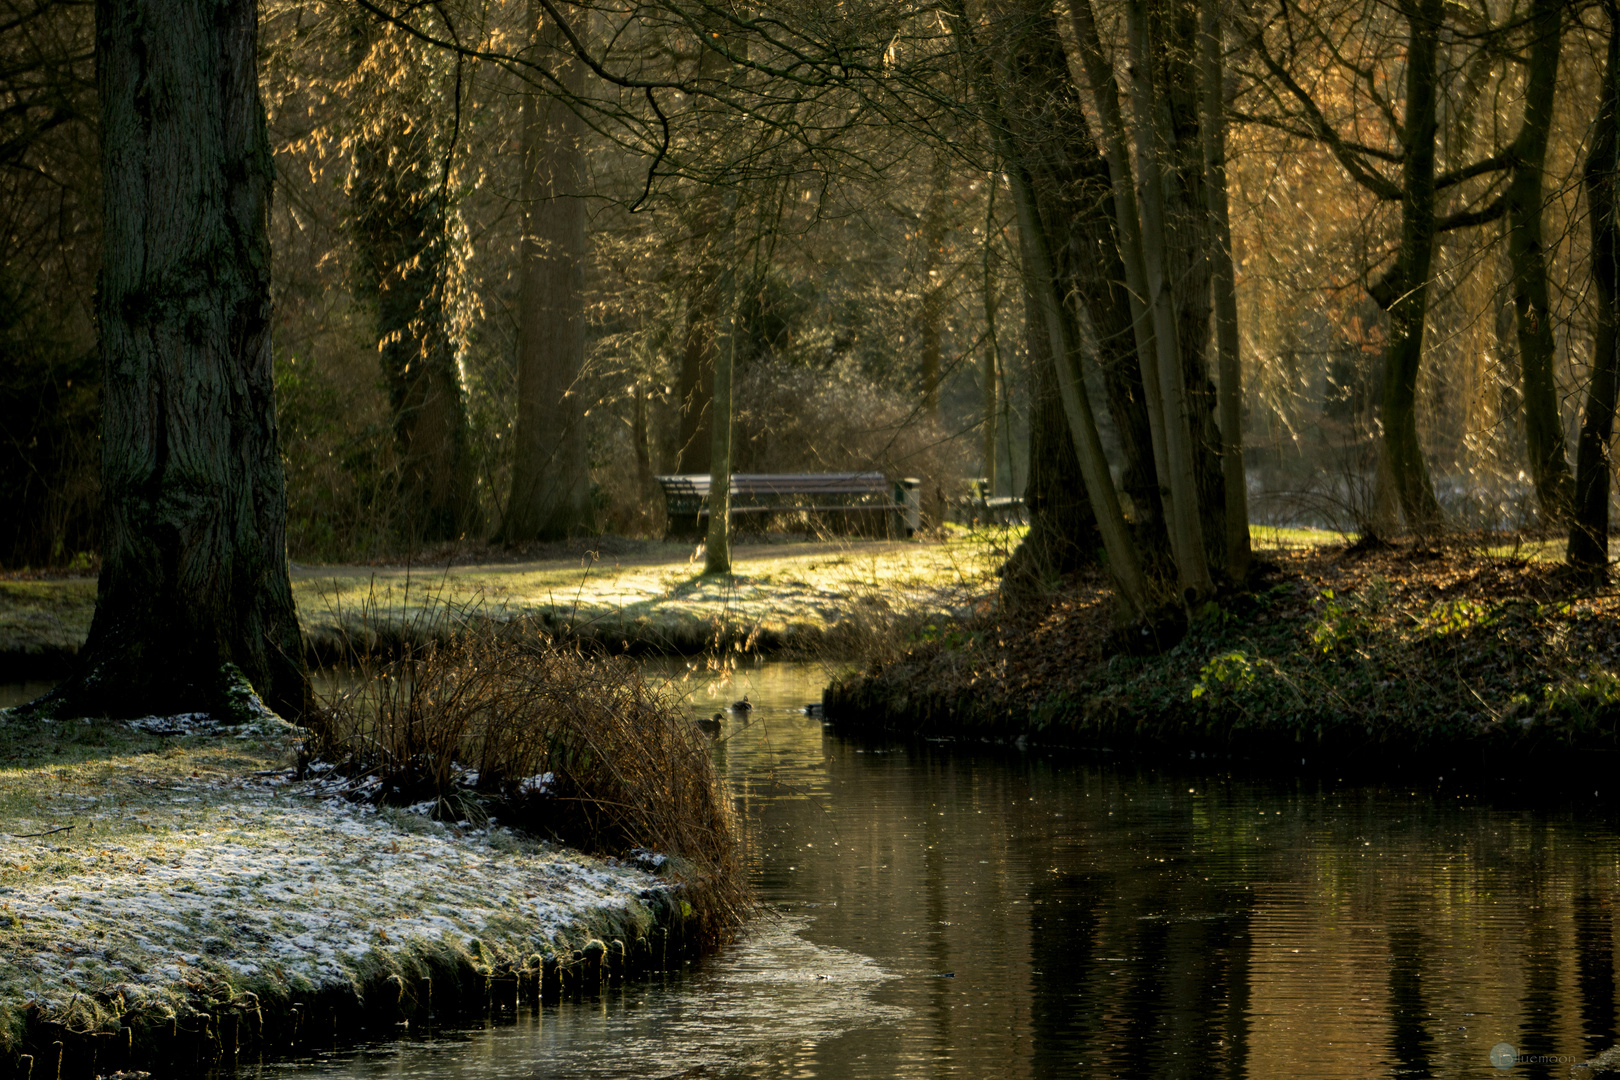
506	723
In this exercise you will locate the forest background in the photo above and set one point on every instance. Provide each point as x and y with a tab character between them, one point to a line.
822	192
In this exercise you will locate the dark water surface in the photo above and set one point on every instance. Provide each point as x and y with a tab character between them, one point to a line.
949	911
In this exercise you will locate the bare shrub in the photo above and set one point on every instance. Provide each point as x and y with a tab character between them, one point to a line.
501	719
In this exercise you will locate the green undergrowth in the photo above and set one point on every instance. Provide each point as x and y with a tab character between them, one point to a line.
1398	650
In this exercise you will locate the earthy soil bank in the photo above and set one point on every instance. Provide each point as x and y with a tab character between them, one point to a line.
1385	657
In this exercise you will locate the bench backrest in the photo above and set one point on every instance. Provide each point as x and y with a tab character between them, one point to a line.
697	484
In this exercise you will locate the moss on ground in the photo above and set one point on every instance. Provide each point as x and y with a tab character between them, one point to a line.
1336	653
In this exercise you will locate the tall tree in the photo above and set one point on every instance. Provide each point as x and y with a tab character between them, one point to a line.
1153	144
551	490
402	225
1403	289
1589	527
1532	310
1223	281
1073	193
717	549
194	608
993	84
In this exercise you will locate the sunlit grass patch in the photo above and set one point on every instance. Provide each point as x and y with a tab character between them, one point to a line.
1279	536
45	617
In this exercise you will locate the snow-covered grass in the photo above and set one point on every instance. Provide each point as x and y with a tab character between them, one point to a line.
145	874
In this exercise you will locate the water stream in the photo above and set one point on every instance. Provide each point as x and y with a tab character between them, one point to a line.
942	910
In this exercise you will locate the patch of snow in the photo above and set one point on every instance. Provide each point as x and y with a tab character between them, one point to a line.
537	785
276	884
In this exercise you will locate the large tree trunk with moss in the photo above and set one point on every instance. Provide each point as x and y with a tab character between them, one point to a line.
1589	527
402	239
551	490
194	610
1543	427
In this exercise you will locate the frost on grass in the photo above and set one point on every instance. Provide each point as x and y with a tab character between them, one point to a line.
170	883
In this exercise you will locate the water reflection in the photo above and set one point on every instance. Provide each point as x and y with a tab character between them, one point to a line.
983	912
1116	922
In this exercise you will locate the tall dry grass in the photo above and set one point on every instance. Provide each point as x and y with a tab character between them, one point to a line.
502	720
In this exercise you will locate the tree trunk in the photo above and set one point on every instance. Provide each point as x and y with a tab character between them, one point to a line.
1072	190
991	368
1128	229
1123	561
696	383
1224	284
641	437
402	237
1062	536
1589	527
551	488
1404	291
1544	428
717	555
1172	34
931	325
194	609
1186	523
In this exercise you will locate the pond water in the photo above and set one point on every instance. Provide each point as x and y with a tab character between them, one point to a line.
943	910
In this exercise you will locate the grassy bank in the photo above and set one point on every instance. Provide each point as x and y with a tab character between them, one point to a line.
624	594
174	892
1464	653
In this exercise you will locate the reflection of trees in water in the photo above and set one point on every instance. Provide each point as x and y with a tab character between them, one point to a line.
1288	929
1593	910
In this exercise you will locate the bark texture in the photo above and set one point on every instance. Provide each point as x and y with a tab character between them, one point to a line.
1063	534
194	595
1589	528
1073	194
551	490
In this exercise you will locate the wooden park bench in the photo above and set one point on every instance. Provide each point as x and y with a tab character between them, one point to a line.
852	502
